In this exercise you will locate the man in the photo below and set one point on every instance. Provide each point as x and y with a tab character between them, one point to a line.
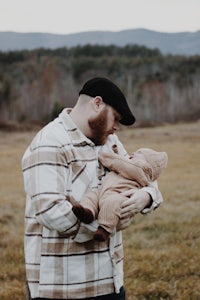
60	166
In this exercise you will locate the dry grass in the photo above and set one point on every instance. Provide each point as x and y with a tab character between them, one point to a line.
162	250
12	146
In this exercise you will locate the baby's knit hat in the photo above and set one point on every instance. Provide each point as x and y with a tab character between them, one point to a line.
157	161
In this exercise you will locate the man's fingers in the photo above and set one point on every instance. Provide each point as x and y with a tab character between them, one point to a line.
128	193
129	202
128	212
127	215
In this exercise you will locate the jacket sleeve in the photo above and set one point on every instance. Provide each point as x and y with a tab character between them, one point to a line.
156	197
45	180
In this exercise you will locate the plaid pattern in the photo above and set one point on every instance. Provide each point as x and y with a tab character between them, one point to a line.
60	165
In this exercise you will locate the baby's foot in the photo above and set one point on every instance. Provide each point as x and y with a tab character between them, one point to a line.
83	214
101	234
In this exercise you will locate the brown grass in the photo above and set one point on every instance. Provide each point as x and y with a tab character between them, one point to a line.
162	250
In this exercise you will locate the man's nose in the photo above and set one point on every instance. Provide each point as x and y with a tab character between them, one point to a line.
116	126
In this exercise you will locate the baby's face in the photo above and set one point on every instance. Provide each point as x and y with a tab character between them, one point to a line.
138	155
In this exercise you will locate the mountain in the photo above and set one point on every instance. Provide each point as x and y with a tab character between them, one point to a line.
183	43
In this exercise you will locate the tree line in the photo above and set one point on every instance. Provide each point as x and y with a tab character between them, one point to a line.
35	85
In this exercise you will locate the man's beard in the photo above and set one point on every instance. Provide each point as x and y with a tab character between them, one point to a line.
98	127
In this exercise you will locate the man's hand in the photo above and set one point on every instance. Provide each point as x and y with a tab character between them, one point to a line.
124	223
135	203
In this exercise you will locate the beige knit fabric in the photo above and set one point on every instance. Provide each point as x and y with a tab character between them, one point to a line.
126	173
157	161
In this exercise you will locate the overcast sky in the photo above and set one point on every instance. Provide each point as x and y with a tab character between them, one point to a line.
70	16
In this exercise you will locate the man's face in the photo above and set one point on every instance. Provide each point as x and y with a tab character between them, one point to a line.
103	125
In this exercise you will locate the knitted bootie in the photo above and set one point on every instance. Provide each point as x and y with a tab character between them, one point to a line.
83	214
101	234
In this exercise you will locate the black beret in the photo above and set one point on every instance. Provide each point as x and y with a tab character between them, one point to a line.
111	95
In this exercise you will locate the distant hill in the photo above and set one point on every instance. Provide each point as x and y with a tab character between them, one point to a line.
183	43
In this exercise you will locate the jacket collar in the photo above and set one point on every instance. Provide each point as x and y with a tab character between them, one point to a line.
78	139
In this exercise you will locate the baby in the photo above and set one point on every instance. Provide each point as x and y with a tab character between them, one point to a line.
142	167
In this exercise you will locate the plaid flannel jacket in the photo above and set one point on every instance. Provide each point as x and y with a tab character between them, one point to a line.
62	261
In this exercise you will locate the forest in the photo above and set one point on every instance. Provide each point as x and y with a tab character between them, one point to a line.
35	85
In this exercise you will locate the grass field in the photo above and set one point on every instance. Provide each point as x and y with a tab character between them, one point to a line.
162	250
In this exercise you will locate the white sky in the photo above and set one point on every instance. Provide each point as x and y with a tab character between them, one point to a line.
70	16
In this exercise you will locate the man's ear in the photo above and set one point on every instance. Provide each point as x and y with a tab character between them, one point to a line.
98	103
